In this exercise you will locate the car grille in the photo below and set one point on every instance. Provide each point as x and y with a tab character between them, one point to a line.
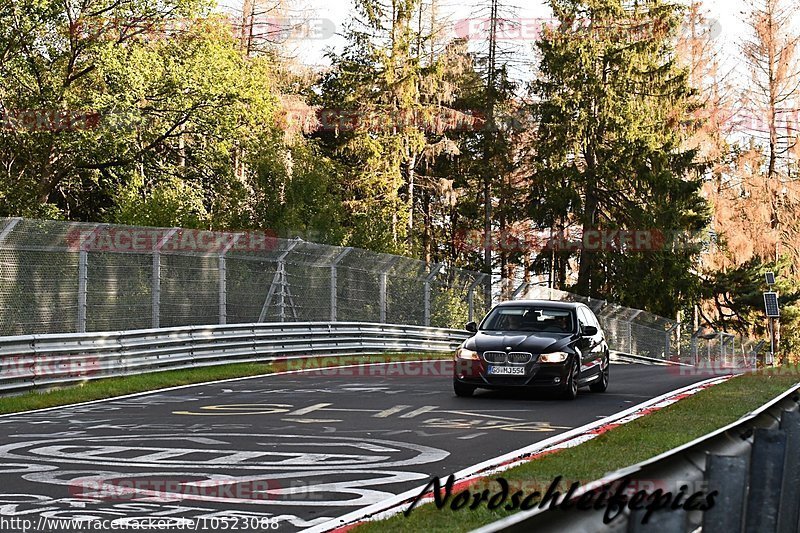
494	357
520	358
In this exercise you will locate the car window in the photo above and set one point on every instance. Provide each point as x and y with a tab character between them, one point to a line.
592	319
582	318
529	319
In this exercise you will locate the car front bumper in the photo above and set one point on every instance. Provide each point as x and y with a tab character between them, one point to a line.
475	373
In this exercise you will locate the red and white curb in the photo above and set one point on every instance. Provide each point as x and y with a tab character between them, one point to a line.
475	473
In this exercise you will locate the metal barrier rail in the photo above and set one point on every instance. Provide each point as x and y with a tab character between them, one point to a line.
31	361
754	463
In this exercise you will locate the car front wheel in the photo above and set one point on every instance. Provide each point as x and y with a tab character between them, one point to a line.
601	384
570	391
462	390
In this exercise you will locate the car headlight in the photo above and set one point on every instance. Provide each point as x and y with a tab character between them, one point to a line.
470	355
555	357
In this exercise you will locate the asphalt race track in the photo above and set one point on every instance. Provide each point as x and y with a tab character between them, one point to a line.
287	451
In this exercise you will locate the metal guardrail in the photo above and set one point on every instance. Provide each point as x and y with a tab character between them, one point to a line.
754	463
32	361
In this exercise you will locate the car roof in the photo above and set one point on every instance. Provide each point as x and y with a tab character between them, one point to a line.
544	303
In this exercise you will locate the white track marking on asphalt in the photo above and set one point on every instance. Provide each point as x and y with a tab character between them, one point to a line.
471	436
422	410
283	460
217	382
392	506
309	409
94	484
389	412
204	440
484	415
311	420
360	445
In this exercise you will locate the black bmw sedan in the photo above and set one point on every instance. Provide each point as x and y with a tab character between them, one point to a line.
557	346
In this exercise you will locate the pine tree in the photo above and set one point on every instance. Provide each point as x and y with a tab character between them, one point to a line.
611	104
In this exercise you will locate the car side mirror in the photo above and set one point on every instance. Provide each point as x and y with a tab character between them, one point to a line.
472	327
589	331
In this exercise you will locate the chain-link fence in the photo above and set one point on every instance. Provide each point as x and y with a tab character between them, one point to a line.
639	332
627	330
59	277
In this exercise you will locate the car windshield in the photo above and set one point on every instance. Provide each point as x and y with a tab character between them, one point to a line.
529	319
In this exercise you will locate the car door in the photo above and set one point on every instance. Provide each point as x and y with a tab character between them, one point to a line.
593	346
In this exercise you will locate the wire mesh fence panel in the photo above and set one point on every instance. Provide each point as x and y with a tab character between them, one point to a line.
38	292
638	332
627	330
404	301
60	277
248	281
189	290
119	291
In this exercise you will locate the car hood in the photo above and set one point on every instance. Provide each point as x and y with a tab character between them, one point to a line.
502	341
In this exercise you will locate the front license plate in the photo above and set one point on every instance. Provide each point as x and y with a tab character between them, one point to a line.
507	370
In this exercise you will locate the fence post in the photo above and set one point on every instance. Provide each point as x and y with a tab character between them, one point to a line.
222	269
9	227
155	282
471	296
83	277
668	342
383	281
630	330
435	270
83	280
155	290
334	280
523	287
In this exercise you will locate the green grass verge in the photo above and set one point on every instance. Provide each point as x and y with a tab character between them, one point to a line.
634	442
112	387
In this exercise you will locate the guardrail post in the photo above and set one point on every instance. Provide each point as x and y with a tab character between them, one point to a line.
766	475
334	287
155	282
789	514
435	270
222	270
83	281
471	296
668	520
728	475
